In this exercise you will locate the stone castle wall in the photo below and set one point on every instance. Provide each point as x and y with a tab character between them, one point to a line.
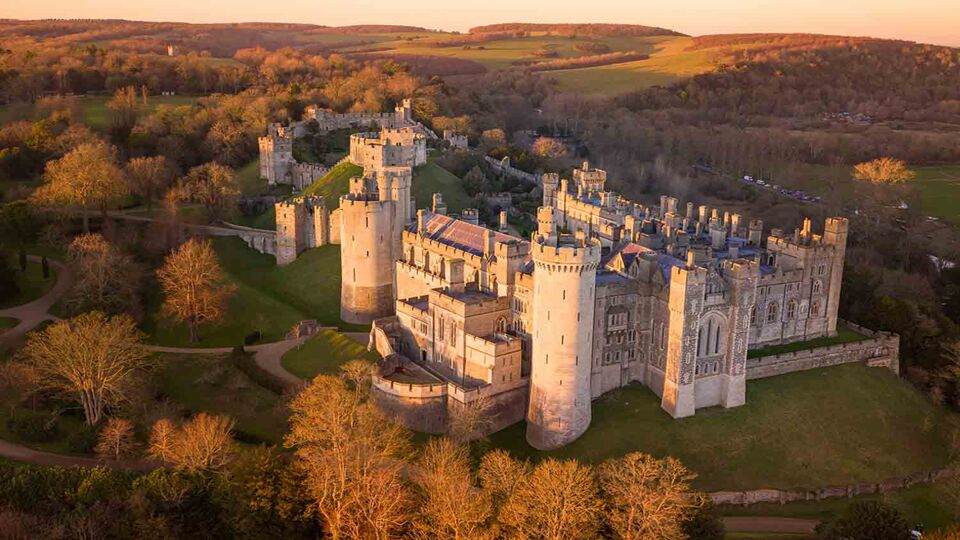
882	349
366	254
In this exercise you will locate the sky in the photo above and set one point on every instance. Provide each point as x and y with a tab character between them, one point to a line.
928	21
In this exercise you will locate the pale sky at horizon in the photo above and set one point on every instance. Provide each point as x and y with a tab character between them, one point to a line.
928	21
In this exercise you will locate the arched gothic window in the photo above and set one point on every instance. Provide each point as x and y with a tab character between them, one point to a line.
501	325
773	312
815	309
710	337
791	310
817	287
753	316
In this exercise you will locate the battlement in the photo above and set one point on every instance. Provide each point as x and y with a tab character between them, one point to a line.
566	250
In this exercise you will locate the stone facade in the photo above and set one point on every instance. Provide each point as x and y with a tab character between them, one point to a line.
302	223
606	293
457	141
388	148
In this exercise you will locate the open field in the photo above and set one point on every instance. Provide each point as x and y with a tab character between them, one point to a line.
844	335
211	383
432	178
821	427
324	353
31	283
93	109
939	190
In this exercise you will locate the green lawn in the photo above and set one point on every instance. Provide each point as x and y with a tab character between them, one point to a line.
432	178
310	285
31	283
334	184
211	383
939	188
814	428
926	504
844	335
7	323
324	353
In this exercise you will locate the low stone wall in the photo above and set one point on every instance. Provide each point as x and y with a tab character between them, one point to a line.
744	498
880	349
503	167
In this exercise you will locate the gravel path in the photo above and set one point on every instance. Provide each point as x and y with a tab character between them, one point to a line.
34	313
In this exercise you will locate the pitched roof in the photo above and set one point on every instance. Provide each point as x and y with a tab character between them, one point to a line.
460	234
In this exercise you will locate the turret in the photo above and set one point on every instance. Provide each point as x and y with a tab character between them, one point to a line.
367	227
563	310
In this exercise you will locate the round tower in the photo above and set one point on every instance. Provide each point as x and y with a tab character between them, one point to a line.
563	304
366	258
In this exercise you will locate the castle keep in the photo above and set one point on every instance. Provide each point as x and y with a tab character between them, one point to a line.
605	293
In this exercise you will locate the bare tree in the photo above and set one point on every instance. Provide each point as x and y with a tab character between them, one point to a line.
450	503
500	475
885	170
162	440
646	497
194	286
471	420
358	372
203	443
353	457
148	177
87	177
116	439
89	357
557	501
212	185
105	278
123	110
549	147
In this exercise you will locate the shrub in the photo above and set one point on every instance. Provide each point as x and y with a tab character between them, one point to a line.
83	441
252	338
35	427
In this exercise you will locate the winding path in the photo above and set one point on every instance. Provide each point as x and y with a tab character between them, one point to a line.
33	313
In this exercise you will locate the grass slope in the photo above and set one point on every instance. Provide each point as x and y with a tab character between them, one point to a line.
211	383
334	184
324	353
432	178
270	298
821	427
96	115
939	188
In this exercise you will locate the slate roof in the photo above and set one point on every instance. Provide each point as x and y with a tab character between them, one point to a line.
460	234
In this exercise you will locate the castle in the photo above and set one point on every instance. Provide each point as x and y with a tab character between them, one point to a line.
605	293
278	166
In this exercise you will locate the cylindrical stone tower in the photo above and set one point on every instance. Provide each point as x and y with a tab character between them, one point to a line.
563	303
366	258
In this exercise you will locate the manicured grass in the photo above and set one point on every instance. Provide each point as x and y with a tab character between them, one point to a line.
7	323
324	353
939	188
67	425
249	310
926	504
334	184
31	283
762	535
844	335
310	285
432	178
814	428
211	383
